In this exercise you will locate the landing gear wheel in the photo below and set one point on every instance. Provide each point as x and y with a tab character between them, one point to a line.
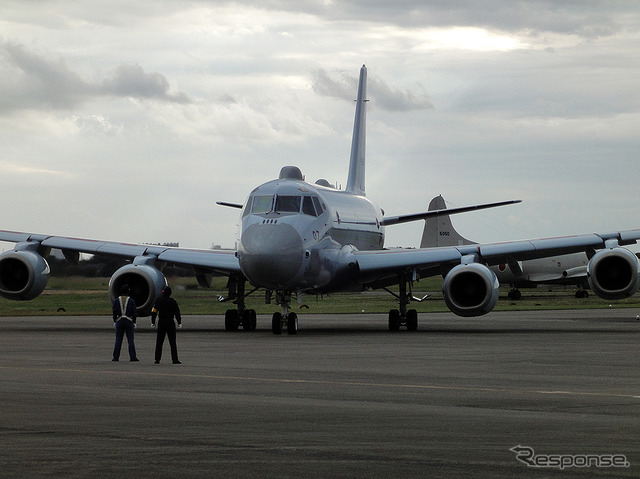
412	320
249	321
292	323
231	320
581	293
394	320
276	323
514	294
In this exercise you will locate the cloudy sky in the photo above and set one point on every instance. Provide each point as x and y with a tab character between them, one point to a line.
128	120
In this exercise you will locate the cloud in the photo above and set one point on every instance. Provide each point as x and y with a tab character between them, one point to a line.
344	86
133	81
33	81
587	19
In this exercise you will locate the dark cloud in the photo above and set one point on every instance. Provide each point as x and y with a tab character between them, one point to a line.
30	80
343	85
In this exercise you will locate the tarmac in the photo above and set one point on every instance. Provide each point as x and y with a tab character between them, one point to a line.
344	397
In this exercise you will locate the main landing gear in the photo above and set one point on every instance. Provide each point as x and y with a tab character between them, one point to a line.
403	317
286	319
234	318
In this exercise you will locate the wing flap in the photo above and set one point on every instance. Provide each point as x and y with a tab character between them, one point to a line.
371	262
219	260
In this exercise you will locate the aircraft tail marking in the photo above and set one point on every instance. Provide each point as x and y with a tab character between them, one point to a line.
355	181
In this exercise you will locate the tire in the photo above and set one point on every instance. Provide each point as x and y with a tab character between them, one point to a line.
276	323
231	320
394	320
253	320
412	320
292	323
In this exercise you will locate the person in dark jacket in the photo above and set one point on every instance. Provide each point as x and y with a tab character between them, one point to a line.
125	313
166	308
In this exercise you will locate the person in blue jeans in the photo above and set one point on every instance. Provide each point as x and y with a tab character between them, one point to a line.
125	313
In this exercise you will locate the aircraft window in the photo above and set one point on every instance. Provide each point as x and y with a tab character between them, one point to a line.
318	205
261	204
288	204
247	208
307	206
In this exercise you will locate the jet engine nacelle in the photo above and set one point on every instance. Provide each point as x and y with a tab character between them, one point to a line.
23	275
470	289
614	273
145	284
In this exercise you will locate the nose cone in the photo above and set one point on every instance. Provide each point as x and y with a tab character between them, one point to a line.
271	255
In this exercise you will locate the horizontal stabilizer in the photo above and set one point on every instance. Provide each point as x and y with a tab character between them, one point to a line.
393	220
231	205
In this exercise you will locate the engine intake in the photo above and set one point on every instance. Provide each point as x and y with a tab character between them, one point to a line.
23	275
470	290
145	284
614	273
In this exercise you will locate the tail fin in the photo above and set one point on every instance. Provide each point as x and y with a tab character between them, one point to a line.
355	181
439	231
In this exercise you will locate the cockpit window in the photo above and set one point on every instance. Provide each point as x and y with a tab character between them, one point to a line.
307	206
287	204
261	204
317	204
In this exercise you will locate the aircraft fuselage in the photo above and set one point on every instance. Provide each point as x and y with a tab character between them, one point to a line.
293	234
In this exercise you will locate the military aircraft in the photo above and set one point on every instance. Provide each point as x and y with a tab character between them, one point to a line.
566	269
297	237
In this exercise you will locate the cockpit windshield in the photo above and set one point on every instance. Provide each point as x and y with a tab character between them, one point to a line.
261	204
308	205
289	204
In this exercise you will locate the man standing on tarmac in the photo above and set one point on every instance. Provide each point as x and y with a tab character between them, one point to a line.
124	320
165	309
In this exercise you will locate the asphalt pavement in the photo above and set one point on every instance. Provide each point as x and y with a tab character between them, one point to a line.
527	394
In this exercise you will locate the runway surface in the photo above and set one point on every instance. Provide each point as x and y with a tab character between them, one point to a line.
342	398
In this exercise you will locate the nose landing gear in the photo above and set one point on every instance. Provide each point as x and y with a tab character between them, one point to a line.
285	319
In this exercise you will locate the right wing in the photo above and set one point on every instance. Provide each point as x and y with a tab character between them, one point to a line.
24	271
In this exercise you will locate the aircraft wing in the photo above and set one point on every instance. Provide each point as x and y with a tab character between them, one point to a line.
375	265
220	261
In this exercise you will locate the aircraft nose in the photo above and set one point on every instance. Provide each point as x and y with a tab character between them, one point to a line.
270	254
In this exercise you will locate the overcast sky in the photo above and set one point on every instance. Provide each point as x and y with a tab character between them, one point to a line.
128	120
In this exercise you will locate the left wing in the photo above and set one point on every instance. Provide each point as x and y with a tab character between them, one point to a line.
471	288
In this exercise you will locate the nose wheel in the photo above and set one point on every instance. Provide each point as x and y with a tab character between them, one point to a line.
281	322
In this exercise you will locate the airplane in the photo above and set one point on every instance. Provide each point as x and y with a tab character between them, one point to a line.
297	238
567	269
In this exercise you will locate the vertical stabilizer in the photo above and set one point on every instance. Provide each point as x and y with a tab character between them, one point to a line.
355	181
438	230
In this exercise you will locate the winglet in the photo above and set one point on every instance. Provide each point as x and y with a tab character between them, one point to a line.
355	181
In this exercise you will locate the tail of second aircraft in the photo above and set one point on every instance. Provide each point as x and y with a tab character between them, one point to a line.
438	230
355	180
